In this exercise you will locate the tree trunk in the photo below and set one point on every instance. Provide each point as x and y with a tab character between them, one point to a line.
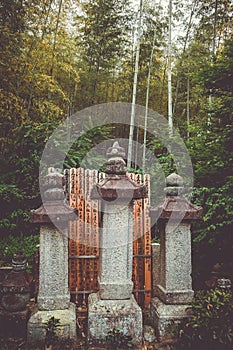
131	132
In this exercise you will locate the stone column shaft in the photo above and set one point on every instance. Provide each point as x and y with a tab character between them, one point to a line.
116	252
175	284
53	276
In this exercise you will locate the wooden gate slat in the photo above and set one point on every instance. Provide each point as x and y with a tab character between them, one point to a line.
80	228
147	242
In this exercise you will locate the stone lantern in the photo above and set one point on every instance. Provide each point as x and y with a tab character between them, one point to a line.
173	293
114	306
53	295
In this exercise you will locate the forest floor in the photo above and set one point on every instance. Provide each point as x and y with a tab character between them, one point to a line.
21	344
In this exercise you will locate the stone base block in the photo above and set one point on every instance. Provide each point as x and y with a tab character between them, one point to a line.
174	297
116	291
165	316
36	329
106	315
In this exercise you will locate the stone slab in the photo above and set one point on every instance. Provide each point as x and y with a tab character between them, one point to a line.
174	296
164	316
175	257
36	329
116	252
116	291
53	282
106	315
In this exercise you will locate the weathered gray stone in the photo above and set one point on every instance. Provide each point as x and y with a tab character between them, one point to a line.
175	285
174	288
37	324
53	296
53	280
174	180
116	252
106	315
164	317
156	265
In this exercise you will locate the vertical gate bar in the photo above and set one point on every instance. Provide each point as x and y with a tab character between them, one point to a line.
80	229
140	270
73	190
95	236
85	233
89	248
147	242
135	242
72	233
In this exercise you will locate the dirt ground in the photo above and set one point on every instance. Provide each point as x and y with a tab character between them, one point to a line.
80	344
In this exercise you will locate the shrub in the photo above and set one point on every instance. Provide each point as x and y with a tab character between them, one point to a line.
116	339
210	328
12	245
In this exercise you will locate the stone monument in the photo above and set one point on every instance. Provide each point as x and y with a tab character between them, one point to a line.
173	293
53	296
114	306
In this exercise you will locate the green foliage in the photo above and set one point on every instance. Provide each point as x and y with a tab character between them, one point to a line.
102	28
12	245
210	328
116	339
86	143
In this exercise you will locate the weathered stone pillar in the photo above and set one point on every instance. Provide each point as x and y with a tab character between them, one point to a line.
114	306
174	291
156	265
53	296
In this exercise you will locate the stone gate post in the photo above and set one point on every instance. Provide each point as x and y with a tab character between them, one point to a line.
53	295
173	293
114	306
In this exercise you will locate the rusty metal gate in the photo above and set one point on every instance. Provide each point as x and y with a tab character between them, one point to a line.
84	238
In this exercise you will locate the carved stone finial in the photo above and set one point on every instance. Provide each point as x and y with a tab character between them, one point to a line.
174	205
174	183
116	151
117	185
53	185
54	207
116	164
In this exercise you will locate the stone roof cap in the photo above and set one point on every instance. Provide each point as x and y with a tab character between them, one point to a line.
57	210
174	206
177	208
118	187
54	207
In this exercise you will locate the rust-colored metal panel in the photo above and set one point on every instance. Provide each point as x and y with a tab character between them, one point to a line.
80	229
72	232
147	244
138	209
